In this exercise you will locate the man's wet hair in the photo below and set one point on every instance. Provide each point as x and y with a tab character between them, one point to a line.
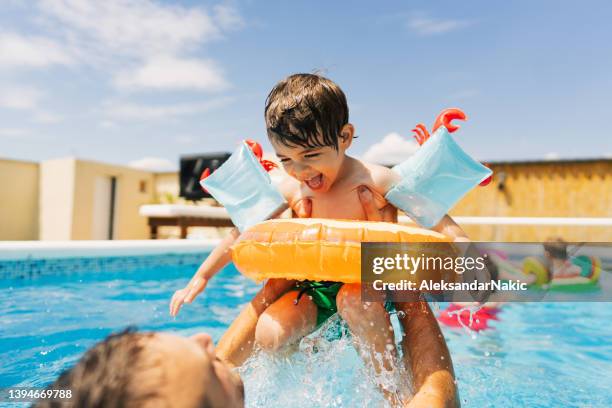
306	110
106	375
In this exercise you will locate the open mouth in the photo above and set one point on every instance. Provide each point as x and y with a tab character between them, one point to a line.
315	183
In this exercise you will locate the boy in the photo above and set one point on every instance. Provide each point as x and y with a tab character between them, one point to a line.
308	126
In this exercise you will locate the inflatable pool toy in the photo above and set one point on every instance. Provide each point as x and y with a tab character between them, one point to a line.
459	316
320	249
585	280
432	180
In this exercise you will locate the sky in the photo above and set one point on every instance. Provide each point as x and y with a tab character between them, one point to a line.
142	82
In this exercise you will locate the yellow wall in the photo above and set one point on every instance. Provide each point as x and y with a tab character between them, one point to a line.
56	199
166	186
19	200
542	189
128	223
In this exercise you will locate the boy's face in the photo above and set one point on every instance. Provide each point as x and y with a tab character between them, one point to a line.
317	167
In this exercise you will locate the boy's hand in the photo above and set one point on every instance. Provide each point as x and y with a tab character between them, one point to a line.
186	295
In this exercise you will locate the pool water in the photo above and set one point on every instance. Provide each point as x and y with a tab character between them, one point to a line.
536	355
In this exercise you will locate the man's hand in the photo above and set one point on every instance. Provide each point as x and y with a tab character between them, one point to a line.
186	295
387	214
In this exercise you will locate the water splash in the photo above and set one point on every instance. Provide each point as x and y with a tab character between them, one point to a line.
325	371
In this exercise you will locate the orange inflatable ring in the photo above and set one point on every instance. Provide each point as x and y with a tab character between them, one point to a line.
316	249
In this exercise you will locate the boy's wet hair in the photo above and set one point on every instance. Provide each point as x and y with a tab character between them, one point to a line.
306	110
106	375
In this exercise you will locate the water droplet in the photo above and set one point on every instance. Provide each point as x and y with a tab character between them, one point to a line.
441	357
372	324
400	314
389	347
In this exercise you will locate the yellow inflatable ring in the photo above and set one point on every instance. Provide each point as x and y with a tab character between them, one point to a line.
316	249
533	266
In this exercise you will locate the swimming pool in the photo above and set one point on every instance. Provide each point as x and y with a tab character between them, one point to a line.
537	355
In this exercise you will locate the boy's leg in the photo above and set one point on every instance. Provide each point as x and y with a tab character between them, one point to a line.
236	344
371	325
286	321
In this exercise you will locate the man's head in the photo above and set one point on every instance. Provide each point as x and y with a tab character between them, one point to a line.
131	369
307	124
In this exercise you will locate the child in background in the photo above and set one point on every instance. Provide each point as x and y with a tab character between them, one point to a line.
557	260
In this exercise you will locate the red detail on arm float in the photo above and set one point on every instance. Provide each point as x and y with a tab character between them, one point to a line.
205	174
257	151
421	134
255	148
446	116
444	119
486	181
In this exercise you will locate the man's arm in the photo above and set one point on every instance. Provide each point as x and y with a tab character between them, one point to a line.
426	353
447	226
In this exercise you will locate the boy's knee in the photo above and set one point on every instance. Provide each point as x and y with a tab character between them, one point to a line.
348	300
268	333
353	307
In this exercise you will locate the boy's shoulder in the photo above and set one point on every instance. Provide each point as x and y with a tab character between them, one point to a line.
288	186
381	177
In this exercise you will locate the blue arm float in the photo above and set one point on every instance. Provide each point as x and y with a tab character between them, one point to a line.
434	179
245	189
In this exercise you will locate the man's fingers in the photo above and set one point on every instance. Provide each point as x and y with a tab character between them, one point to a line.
368	204
304	208
389	213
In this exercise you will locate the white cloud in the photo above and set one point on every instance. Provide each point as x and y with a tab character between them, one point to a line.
22	51
107	124
126	110
228	17
184	139
423	25
47	117
155	40
132	27
19	98
173	73
13	132
155	164
552	156
392	149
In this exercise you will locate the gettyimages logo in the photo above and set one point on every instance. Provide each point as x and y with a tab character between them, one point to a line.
467	272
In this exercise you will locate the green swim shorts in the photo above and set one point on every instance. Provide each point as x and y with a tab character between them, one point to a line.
323	294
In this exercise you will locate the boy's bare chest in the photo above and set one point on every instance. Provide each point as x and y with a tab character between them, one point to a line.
341	202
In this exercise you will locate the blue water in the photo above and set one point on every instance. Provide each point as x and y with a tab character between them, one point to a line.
536	355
